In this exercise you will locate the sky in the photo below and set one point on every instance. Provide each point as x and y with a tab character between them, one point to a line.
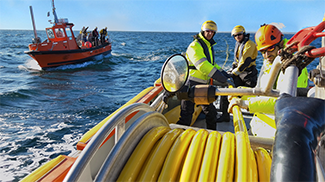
164	15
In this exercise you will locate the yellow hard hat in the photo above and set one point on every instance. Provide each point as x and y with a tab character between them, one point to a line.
237	29
209	25
266	36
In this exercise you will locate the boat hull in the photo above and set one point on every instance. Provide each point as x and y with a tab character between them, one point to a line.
49	59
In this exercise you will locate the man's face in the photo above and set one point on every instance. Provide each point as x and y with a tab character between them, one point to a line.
239	37
270	53
208	34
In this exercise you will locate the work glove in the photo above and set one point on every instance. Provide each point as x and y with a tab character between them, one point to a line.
225	74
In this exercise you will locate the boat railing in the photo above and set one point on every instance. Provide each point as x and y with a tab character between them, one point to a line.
158	104
98	145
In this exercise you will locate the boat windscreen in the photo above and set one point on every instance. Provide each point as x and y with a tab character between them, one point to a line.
50	33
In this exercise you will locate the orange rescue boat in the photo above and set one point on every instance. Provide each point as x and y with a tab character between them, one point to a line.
60	47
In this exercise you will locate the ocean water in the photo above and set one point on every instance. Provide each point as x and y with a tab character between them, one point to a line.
43	114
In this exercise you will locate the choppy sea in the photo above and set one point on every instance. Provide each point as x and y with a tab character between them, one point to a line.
43	114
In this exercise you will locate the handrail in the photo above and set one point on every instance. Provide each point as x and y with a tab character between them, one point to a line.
289	87
118	122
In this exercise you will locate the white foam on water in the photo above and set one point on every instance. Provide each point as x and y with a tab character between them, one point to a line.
30	65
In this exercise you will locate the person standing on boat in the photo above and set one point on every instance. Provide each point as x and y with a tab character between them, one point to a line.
84	34
269	40
90	38
200	55
103	34
243	70
95	36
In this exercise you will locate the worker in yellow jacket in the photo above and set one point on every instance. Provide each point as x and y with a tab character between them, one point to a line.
243	69
202	68
269	40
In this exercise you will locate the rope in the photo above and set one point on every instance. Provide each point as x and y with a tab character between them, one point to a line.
227	53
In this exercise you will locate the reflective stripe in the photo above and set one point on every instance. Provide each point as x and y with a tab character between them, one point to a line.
206	49
197	63
198	80
200	55
192	67
212	72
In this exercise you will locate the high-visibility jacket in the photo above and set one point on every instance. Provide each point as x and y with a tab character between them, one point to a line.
103	32
302	81
263	123
202	65
245	54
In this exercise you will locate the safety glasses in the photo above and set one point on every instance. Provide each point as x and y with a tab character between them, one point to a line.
238	35
269	49
210	31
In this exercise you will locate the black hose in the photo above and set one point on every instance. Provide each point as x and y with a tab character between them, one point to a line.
300	124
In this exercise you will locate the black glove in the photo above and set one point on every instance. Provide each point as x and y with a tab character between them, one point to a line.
225	74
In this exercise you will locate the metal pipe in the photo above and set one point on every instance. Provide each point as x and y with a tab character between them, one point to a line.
54	13
245	91
156	103
98	139
288	84
32	16
265	91
276	66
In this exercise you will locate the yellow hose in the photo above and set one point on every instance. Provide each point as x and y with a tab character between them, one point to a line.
253	173
198	156
242	157
210	158
264	162
193	158
175	157
155	162
139	155
226	164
